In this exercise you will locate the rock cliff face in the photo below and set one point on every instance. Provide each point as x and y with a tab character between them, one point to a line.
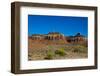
50	38
57	38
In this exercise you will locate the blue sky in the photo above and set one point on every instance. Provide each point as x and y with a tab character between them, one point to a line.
42	24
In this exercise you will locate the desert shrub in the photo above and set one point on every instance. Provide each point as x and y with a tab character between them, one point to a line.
76	50
50	47
80	49
60	52
49	55
29	55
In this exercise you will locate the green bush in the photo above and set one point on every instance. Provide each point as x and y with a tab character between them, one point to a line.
60	52
49	55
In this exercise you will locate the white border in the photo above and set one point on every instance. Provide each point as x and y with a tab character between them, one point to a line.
25	64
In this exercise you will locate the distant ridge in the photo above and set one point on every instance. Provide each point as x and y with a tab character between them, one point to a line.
57	38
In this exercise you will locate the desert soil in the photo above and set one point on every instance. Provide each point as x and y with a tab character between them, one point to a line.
37	50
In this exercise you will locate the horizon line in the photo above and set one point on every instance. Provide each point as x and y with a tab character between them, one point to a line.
58	32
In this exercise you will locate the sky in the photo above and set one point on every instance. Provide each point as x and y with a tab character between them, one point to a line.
67	25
